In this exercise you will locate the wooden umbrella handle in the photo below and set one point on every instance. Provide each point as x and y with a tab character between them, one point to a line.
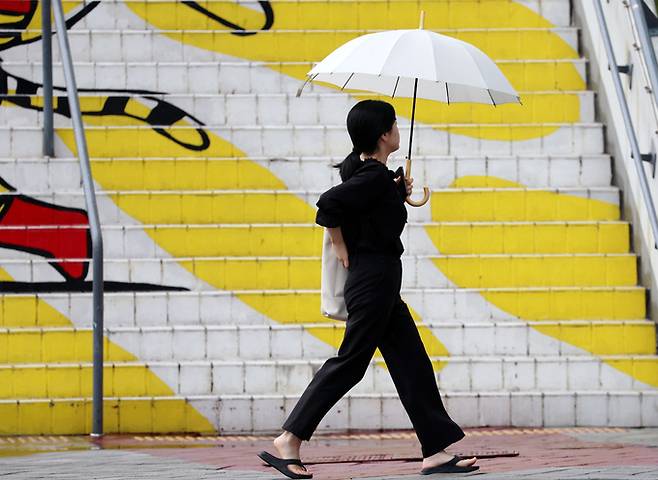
426	190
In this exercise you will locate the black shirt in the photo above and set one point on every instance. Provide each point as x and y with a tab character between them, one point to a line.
369	208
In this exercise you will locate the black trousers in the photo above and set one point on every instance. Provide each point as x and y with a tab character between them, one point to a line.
377	317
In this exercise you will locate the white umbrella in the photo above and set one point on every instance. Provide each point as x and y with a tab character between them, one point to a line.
415	63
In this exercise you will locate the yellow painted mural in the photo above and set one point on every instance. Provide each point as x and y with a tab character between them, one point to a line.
340	22
537	254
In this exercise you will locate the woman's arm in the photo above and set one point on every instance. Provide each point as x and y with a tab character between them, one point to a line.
340	249
354	195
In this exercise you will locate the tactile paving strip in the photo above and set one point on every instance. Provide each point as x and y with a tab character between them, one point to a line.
403	435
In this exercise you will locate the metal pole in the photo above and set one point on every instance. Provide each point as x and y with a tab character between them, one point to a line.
646	45
92	211
628	122
46	44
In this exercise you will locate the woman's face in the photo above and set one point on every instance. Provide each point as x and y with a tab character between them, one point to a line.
391	138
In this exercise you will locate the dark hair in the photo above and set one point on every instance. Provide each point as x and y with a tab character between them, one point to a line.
367	121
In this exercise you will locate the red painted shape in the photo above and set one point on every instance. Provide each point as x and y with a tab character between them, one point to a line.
16	6
60	242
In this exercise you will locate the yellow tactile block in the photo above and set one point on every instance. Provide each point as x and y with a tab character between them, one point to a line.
562	303
120	415
29	311
215	207
75	380
539	270
482	204
234	274
186	174
530	237
603	337
240	240
29	345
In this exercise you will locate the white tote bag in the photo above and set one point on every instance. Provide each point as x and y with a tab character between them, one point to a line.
334	275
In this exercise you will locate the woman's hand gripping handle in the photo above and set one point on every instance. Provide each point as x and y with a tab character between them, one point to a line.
408	180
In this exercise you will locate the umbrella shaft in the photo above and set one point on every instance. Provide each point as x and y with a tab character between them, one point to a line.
411	133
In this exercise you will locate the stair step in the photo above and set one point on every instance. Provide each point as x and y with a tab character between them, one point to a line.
297	206
248	77
419	271
303	306
305	239
315	140
111	14
298	342
306	44
249	414
39	174
254	377
313	108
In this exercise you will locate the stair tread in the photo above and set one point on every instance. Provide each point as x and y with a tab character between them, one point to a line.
251	396
332	325
514	358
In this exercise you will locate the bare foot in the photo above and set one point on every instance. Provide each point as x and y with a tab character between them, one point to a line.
443	457
287	445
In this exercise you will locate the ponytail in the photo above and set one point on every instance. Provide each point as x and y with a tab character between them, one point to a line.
366	122
347	167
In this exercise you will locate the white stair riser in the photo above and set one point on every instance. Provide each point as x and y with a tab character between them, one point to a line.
531	409
213	308
294	343
460	374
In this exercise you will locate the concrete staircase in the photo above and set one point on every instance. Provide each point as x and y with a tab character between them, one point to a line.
519	271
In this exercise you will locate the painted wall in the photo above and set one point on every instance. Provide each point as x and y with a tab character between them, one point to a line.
518	271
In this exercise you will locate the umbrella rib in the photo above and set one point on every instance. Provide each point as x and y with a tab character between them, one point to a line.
447	94
350	78
310	78
396	87
492	100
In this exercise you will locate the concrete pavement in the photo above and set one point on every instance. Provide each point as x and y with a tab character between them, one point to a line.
537	454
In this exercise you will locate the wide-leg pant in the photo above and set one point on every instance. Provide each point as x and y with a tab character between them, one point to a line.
377	317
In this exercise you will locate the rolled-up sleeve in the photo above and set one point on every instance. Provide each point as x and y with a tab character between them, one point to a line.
354	195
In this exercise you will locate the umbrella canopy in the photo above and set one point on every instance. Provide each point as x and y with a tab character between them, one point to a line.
447	69
415	63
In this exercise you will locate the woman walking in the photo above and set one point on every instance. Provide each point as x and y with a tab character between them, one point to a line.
365	216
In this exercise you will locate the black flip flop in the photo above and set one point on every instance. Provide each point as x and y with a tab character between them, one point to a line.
281	464
449	467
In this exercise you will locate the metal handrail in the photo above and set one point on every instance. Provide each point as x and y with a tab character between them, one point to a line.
628	122
87	183
644	47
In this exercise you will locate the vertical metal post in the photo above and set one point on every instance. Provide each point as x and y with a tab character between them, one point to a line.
46	44
92	212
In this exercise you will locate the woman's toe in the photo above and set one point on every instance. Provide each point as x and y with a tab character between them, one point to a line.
297	469
467	462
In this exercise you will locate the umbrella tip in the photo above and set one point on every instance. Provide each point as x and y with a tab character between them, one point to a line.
422	19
